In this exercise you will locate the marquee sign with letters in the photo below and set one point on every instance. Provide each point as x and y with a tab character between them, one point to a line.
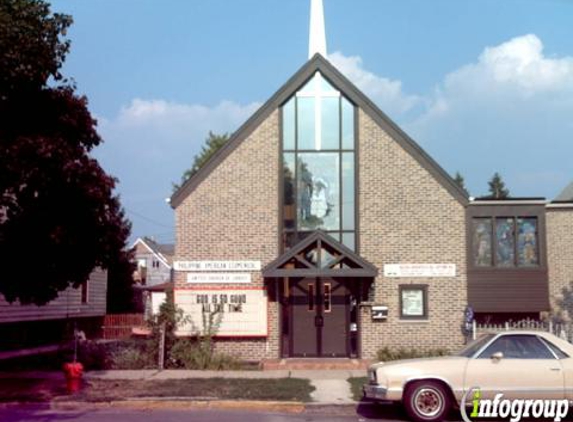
238	312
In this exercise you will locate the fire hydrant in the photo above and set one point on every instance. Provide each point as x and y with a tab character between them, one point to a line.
73	372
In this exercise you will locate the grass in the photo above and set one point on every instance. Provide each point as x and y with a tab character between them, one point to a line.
356	384
40	390
284	389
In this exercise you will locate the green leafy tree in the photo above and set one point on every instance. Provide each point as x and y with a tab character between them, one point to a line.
32	48
460	181
497	189
59	217
212	144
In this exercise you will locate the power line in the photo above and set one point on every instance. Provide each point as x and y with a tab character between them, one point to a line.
149	220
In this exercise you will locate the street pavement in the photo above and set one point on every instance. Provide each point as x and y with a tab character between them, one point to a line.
42	413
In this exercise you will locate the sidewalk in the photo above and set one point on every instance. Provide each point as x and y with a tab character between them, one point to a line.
331	387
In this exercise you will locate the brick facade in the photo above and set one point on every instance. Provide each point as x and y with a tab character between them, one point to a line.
406	216
233	215
559	251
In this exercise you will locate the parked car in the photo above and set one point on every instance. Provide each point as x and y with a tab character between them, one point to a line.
519	364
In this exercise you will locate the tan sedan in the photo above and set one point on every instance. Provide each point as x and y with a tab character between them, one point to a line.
519	364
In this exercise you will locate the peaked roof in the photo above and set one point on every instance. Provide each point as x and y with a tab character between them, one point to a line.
337	79
340	261
566	194
163	251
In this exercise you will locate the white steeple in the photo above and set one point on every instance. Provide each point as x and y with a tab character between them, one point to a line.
317	39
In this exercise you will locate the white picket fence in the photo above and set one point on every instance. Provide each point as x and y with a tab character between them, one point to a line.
560	329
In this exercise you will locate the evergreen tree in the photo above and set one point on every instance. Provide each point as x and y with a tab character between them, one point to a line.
460	181
212	144
497	189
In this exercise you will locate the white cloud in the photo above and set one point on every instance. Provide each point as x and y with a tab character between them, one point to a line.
509	111
150	143
521	62
385	92
515	69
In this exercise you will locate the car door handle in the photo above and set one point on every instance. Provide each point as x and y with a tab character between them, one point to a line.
555	369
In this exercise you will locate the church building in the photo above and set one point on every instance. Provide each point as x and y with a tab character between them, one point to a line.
321	229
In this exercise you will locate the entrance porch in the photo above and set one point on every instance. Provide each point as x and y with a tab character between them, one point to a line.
320	284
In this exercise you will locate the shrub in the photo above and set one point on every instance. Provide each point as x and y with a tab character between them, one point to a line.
93	355
200	355
387	354
126	354
132	358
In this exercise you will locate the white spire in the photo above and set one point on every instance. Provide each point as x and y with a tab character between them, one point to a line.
317	39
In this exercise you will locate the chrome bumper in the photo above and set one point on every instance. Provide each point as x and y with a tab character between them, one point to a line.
375	392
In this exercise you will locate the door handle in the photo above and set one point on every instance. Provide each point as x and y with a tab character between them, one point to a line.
555	369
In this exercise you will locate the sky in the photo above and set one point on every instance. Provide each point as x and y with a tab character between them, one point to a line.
483	86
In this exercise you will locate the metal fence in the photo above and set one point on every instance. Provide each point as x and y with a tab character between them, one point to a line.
563	330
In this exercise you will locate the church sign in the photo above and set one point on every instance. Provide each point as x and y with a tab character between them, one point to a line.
218	278
217	265
238	312
419	270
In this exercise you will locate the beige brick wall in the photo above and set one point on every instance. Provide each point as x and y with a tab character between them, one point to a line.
233	215
559	251
406	216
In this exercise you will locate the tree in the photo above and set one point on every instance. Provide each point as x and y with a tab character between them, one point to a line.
459	179
121	297
497	187
59	217
212	144
31	45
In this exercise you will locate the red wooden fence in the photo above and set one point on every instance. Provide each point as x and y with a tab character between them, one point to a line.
119	326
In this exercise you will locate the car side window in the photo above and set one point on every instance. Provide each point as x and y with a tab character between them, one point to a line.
558	352
518	347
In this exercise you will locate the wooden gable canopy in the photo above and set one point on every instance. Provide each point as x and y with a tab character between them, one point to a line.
319	255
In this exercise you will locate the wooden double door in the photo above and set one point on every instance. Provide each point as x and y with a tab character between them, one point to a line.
320	318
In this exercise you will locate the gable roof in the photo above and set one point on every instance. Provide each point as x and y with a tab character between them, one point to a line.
337	79
566	194
344	262
163	252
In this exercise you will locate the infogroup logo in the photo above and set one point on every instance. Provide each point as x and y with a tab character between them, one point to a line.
515	409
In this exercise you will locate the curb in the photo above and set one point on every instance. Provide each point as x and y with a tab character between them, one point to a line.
182	403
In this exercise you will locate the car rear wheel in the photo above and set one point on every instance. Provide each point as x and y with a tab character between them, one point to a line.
427	401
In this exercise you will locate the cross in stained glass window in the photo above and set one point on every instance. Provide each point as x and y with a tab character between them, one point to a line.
318	88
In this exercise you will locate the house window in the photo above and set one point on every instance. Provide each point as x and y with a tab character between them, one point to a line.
505	242
84	292
310	296
482	246
327	305
527	250
318	164
413	301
